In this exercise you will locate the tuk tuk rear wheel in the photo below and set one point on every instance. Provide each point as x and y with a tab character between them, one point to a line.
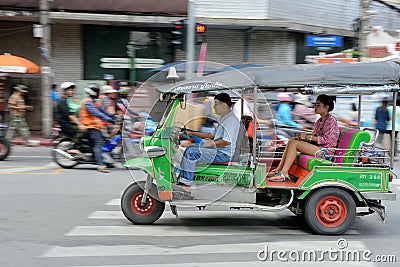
137	213
330	211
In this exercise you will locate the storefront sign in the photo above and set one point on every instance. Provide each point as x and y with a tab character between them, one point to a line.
322	41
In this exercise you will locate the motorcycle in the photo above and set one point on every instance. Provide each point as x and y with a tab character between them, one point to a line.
4	143
65	154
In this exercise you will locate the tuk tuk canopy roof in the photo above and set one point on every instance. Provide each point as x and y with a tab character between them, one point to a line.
301	75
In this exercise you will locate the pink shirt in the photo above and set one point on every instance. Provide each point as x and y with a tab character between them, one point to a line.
327	132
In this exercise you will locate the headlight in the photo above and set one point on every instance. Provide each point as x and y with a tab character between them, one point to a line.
154	151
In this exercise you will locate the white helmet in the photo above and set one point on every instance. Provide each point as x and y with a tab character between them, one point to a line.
66	85
108	89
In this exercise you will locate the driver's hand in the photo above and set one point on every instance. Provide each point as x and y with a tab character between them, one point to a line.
208	144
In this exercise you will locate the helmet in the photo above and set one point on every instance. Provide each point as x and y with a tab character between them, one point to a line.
108	89
92	89
124	90
67	85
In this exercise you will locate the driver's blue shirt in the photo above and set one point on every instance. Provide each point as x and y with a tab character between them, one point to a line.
227	130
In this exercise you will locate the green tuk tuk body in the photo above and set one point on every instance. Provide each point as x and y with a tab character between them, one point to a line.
329	195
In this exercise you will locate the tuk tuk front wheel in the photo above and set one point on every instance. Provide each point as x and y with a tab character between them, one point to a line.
135	211
330	211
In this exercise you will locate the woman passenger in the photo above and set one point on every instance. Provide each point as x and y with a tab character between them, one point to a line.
320	143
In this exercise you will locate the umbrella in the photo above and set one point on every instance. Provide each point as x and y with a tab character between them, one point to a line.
14	64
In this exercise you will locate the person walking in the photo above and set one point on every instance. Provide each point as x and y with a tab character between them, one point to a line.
381	118
18	109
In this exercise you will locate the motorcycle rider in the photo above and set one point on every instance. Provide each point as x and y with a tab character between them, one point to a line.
69	123
93	119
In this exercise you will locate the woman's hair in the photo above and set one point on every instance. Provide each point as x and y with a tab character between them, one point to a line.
327	101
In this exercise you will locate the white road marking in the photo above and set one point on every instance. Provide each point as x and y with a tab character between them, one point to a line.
152	250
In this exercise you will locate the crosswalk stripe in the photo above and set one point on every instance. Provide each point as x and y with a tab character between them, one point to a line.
152	250
174	231
106	215
114	202
193	213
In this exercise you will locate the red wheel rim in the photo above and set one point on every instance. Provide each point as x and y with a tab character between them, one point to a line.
331	211
138	208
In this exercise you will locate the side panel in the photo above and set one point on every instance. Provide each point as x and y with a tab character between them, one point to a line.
359	179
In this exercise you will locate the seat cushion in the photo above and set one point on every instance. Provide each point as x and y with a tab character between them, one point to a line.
308	162
350	138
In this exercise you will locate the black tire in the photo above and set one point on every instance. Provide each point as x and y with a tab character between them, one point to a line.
130	201
5	148
330	211
63	162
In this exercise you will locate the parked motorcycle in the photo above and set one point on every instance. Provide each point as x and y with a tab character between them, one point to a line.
4	143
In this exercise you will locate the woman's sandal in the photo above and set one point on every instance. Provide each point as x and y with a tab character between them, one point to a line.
279	178
273	173
103	169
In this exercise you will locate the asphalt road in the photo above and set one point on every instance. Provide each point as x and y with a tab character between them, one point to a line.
58	217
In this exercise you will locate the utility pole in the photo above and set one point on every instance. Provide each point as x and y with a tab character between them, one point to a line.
190	38
47	108
364	25
131	52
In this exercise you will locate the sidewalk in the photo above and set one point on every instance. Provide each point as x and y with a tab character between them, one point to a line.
36	140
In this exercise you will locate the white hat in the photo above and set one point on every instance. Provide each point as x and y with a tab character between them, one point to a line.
303	99
108	89
66	85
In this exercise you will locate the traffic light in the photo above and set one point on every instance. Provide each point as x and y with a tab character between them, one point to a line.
201	30
178	34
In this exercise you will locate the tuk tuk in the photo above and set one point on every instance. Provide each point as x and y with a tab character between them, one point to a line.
329	194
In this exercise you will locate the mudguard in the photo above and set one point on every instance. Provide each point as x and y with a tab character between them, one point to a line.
144	164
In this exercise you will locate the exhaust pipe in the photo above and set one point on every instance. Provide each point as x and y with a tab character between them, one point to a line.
63	153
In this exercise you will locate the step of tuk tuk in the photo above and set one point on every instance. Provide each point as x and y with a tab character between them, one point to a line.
223	192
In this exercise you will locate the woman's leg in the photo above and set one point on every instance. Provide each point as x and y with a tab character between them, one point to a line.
280	166
296	145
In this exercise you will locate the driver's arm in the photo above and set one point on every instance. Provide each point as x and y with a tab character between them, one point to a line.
201	135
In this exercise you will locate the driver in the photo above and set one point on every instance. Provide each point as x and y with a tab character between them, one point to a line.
219	147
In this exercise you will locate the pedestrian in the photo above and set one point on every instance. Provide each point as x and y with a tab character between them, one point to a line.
302	112
397	123
18	109
381	119
54	95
